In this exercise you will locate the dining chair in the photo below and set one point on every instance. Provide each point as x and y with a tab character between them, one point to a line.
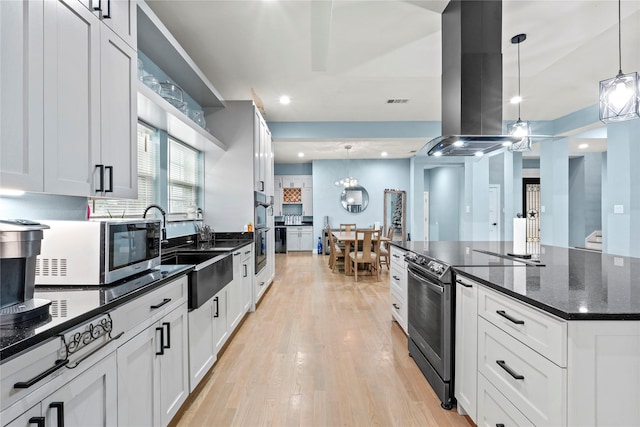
384	248
370	251
347	228
335	253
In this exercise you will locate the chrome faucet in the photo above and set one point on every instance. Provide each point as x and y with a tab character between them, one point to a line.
164	221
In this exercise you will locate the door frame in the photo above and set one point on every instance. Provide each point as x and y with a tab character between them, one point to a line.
498	208
425	206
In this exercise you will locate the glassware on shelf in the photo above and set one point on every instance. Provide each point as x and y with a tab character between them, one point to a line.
171	91
141	72
198	117
152	82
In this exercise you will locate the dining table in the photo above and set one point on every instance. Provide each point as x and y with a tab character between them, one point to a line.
350	239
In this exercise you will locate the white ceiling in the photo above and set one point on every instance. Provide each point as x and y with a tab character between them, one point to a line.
341	60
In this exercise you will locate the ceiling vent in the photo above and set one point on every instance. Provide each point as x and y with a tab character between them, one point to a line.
397	101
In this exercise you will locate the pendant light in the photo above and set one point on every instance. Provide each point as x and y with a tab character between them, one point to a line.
347	181
520	128
620	95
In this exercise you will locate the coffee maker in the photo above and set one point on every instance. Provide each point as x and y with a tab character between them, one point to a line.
20	241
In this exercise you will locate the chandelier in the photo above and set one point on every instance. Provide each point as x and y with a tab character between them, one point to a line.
347	181
520	128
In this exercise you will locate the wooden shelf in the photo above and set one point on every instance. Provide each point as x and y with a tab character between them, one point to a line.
154	110
155	40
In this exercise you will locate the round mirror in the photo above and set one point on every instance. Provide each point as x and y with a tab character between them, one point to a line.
354	199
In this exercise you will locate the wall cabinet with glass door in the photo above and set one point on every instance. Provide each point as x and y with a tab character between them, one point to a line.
77	92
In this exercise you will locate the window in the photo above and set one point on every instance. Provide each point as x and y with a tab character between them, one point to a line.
148	166
184	173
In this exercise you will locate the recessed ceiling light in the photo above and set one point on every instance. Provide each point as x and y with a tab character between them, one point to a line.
458	143
583	146
516	99
479	154
284	99
383	154
507	144
301	154
437	154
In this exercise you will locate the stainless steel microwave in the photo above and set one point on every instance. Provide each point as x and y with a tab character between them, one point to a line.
97	252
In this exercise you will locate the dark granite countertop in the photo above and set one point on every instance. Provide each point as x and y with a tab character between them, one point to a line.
82	303
573	284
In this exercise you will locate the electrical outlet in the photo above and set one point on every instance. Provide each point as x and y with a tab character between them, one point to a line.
618	209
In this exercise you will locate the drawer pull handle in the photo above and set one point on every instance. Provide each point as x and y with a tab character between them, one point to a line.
512	319
396	306
396	256
510	371
500	425
164	301
26	384
396	277
466	286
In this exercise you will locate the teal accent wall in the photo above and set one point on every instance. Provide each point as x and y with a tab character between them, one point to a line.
296	130
577	189
444	185
554	193
374	175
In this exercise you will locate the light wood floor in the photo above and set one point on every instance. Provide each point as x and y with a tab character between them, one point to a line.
320	350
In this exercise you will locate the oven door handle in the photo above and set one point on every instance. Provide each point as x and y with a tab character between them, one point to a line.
426	282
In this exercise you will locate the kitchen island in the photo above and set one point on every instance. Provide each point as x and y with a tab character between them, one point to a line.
550	340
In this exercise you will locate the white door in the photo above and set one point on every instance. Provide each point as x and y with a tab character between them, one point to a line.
138	380
494	212
119	116
202	348
174	364
72	96
426	216
88	400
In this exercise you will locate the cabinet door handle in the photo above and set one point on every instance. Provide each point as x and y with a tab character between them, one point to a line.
261	284
510	371
464	284
396	256
396	306
26	384
168	325
108	15
110	169
217	307
60	409
510	318
236	254
499	425
396	277
245	270
39	421
99	8
161	351
164	301
247	252
100	189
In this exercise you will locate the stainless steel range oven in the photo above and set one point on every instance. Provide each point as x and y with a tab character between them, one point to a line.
431	322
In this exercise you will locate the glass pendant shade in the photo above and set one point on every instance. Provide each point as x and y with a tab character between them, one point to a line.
520	129
347	181
620	98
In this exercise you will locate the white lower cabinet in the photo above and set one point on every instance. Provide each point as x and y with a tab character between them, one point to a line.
398	284
495	409
89	399
220	331
247	277
202	347
466	345
299	239
153	380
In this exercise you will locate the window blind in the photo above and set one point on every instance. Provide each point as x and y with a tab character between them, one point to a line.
148	165
183	177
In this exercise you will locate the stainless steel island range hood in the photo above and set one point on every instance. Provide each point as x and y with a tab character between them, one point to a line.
471	81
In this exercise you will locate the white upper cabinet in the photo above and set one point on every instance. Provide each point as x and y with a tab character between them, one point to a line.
71	97
119	15
21	86
118	109
73	130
